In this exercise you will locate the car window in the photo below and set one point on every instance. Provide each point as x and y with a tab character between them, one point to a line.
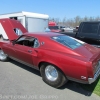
18	31
53	27
90	28
36	43
27	41
68	41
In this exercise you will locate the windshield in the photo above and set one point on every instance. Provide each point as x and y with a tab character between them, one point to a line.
68	41
54	27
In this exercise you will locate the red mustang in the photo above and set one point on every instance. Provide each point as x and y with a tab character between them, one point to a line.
58	57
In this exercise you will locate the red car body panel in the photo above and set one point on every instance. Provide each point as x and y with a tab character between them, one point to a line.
74	63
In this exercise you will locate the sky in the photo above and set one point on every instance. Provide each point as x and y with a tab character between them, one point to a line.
54	8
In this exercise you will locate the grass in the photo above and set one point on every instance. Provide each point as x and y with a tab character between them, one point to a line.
94	87
97	88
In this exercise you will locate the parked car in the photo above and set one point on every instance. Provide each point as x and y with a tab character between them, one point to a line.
67	29
88	32
54	29
58	57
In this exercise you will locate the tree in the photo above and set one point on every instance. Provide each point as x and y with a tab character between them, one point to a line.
85	18
77	20
73	22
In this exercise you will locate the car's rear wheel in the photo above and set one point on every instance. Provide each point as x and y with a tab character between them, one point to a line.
52	75
3	56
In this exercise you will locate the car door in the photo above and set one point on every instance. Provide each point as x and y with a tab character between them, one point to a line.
24	50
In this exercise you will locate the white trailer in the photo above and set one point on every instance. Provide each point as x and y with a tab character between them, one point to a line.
33	22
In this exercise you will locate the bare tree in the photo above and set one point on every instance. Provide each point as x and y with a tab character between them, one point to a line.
74	21
85	18
97	18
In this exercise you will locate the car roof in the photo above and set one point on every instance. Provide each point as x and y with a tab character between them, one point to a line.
42	34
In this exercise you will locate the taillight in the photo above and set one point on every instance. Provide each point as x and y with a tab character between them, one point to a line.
90	69
95	66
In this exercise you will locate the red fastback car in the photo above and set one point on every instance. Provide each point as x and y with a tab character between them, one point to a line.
58	57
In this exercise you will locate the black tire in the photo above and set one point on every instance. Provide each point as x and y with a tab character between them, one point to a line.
63	30
60	81
3	56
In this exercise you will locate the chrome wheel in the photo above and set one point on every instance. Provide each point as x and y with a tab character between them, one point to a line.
3	56
51	73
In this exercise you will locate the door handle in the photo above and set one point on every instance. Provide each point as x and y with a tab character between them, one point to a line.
29	51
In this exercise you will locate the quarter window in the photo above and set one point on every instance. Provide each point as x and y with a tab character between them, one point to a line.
36	43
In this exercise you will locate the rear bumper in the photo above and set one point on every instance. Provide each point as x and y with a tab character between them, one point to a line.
91	80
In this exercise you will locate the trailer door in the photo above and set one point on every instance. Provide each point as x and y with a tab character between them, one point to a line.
36	24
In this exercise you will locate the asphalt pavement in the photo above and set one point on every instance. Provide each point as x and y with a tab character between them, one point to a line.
20	82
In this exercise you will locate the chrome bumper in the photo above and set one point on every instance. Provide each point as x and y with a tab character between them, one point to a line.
91	80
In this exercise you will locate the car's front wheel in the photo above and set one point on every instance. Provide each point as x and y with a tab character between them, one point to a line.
3	56
52	75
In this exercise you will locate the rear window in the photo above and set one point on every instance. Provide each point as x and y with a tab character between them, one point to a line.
68	41
53	27
90	28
